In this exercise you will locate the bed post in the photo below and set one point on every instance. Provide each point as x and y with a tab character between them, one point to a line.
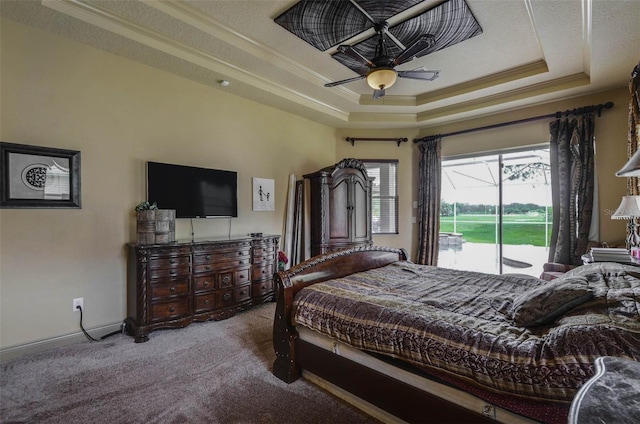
284	334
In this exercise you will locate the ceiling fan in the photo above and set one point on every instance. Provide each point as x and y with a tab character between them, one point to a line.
381	73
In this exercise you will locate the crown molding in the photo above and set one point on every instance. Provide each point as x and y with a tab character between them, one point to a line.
559	84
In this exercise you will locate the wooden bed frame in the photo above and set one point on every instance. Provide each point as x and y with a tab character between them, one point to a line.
294	355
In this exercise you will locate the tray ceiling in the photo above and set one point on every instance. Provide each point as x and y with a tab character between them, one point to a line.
493	55
327	24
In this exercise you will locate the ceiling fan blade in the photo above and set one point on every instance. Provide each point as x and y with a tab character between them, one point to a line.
420	73
425	41
378	94
353	53
333	84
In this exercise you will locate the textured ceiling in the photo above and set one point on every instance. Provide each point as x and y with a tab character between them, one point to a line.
524	52
327	24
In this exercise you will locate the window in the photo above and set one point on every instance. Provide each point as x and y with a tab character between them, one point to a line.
384	197
495	213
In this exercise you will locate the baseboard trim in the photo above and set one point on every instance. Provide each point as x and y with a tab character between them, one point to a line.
13	352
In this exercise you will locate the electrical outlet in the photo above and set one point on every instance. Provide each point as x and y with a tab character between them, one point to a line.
78	302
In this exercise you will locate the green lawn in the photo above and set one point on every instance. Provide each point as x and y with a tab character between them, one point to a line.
518	229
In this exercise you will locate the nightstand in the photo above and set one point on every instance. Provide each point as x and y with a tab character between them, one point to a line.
587	259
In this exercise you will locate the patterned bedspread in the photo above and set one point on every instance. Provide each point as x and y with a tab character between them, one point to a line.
461	323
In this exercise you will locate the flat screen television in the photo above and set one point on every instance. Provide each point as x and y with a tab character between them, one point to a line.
193	192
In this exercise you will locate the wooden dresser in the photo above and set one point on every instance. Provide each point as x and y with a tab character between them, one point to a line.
172	285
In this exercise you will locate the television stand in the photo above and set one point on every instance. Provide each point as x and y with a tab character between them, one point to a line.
174	284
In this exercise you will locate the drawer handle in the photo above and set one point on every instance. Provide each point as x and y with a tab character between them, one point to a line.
264	271
226	279
206	302
242	292
172	261
207	257
208	267
205	284
172	289
226	296
172	309
172	272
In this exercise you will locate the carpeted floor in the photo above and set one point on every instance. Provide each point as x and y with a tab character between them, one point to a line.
214	372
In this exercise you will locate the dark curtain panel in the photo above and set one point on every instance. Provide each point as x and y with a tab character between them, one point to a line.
429	189
572	158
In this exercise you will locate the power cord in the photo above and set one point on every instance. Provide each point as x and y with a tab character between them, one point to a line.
88	336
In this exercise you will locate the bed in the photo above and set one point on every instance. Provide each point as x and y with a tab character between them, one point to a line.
423	343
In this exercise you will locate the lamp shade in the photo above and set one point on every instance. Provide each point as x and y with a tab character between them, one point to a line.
380	78
629	208
631	168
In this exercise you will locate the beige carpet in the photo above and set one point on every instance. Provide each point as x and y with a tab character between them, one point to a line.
213	372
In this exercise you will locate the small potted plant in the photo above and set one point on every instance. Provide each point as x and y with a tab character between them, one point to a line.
146	206
154	225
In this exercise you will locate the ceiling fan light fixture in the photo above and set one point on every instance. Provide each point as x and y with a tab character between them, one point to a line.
380	78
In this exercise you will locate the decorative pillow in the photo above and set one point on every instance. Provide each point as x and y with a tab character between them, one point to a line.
544	304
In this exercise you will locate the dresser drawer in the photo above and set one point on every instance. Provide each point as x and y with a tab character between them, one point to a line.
261	260
169	262
204	283
202	267
262	288
221	256
224	298
163	311
242	277
242	293
264	250
166	289
264	271
159	273
221	280
204	302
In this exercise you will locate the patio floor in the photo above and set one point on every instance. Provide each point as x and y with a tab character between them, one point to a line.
483	257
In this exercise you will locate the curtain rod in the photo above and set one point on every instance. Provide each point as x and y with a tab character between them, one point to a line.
353	140
577	111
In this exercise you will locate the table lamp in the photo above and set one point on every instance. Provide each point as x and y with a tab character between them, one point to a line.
631	168
629	209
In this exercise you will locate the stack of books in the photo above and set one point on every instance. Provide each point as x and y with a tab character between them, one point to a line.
606	254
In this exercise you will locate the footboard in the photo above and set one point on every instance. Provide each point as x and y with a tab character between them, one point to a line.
315	270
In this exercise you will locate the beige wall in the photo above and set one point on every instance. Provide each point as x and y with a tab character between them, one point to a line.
119	114
406	171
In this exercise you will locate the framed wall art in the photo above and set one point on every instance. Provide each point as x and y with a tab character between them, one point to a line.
264	194
39	177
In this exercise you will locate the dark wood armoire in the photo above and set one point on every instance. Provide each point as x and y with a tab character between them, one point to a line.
340	207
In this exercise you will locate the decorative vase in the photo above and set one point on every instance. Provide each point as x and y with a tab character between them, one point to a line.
156	226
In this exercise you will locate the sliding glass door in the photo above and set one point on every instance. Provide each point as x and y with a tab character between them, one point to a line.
495	214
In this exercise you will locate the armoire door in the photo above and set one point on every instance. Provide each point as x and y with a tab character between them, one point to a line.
360	211
339	211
